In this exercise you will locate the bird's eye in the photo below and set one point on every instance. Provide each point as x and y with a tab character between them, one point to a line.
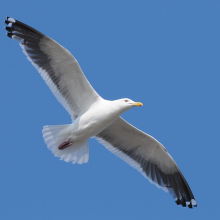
126	100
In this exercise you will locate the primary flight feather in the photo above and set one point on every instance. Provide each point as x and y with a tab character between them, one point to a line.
94	116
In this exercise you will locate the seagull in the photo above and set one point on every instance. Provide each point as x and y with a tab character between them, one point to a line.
93	116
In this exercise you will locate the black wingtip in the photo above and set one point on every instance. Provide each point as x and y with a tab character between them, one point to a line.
178	202
8	29
183	203
10	19
9	35
7	22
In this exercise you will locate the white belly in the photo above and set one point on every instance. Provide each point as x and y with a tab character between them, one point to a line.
93	122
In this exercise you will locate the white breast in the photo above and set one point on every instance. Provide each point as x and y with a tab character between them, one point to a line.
96	119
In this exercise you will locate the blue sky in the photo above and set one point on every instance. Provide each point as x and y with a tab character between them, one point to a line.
163	53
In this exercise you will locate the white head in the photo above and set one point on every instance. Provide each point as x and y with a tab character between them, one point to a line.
126	103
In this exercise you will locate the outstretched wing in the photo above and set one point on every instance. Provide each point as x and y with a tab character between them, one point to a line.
57	66
149	157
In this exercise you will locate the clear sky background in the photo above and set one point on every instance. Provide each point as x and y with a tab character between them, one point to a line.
165	54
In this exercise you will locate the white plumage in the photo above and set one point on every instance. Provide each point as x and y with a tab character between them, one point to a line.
94	116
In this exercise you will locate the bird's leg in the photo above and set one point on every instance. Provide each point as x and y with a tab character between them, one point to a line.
65	144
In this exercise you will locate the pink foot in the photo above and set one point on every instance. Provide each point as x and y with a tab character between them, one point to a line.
64	145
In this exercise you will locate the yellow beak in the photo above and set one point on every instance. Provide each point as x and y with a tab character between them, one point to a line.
137	104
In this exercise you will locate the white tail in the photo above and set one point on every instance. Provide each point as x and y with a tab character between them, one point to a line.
54	135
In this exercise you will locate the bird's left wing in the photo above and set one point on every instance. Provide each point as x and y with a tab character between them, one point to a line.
57	66
148	156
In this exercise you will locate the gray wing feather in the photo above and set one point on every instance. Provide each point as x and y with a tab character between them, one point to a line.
149	157
57	66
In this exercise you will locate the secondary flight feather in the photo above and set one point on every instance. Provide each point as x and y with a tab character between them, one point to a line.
94	116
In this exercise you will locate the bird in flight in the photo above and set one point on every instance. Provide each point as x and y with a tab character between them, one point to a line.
93	116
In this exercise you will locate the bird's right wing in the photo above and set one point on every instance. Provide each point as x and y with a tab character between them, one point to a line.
57	66
149	157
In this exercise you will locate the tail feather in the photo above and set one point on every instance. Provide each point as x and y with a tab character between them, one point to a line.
54	135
